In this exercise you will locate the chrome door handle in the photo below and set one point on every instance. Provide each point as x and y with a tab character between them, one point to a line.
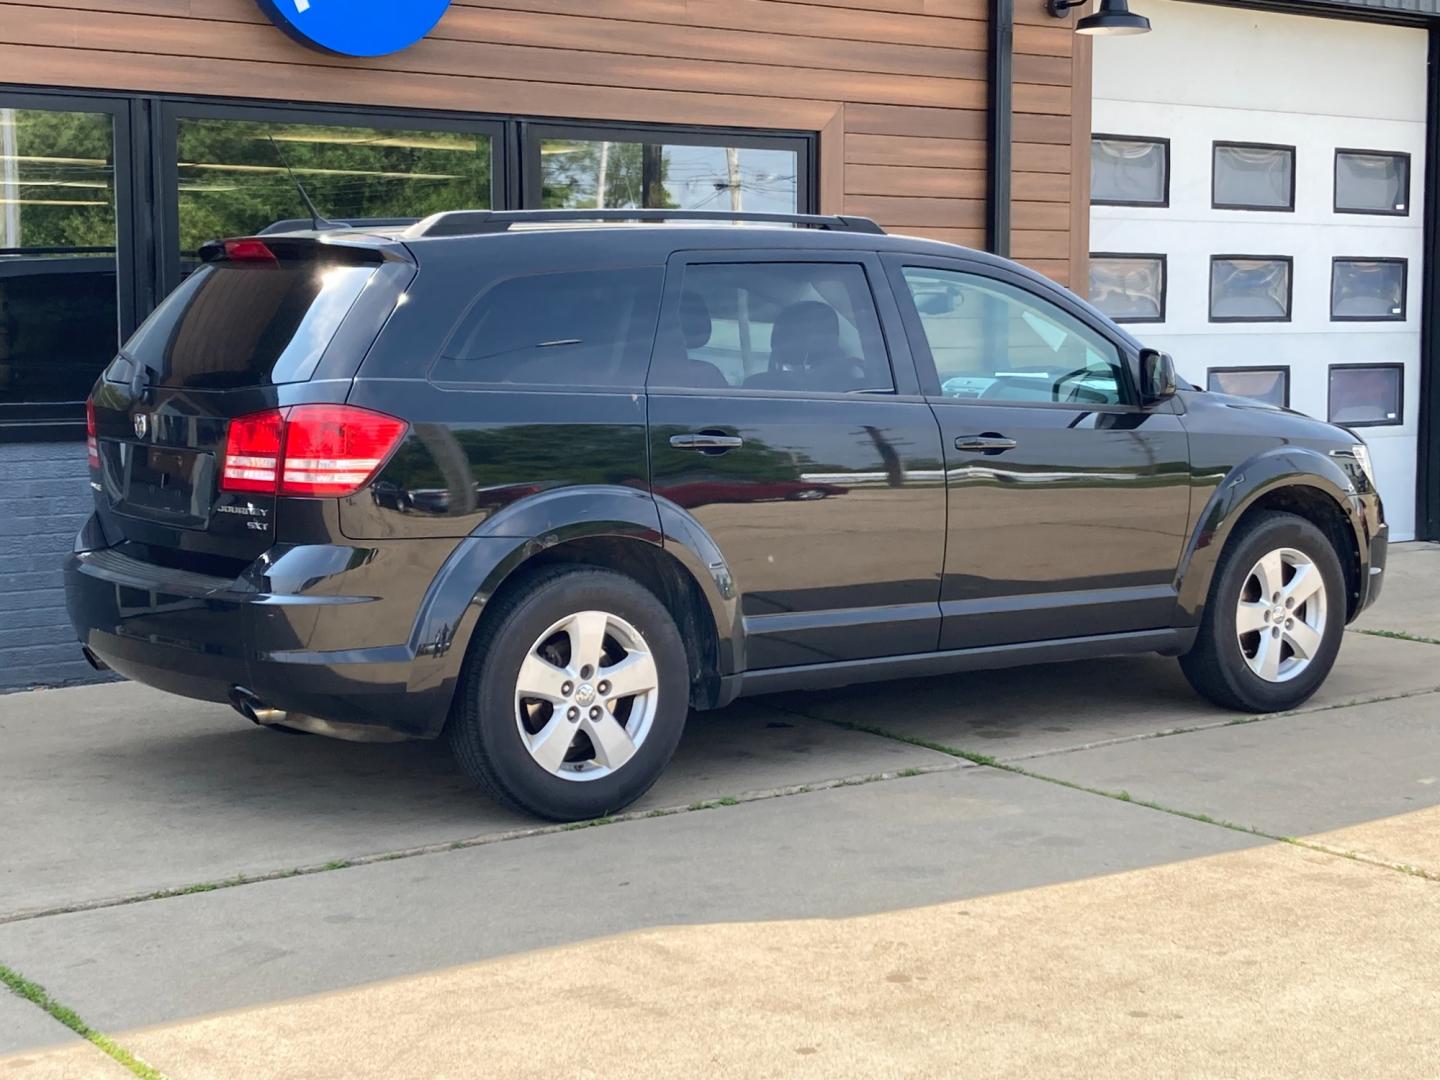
707	442
988	443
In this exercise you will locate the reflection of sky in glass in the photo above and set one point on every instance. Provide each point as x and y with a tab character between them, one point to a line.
339	286
612	174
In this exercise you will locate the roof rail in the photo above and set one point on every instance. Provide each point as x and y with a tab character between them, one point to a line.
473	222
307	225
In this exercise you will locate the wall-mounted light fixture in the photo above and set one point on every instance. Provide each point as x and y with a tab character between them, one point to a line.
1114	17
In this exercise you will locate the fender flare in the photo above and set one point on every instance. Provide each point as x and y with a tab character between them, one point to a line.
1243	486
483	561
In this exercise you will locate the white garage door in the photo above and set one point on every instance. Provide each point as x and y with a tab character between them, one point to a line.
1256	189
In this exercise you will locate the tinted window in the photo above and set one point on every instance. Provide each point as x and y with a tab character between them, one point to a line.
1129	288
1129	171
589	328
1249	289
229	326
1254	177
995	342
58	312
775	326
1368	289
1372	183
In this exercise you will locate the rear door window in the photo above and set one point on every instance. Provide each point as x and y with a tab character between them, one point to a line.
573	329
234	325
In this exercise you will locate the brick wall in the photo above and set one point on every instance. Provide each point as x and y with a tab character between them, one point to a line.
44	498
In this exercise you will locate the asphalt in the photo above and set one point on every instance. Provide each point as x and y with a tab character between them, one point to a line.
1140	886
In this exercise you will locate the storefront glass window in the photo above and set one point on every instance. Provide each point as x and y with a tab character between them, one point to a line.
235	176
58	305
581	173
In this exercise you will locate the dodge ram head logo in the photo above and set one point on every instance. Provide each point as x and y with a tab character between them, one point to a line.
142	425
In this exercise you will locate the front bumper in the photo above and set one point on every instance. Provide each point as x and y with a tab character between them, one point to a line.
1374	581
324	630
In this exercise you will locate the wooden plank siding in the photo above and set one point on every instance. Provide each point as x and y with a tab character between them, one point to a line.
896	88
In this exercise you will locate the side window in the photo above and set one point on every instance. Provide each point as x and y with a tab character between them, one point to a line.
774	326
995	342
590	328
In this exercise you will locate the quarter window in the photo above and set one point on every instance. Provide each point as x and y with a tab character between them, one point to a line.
1250	288
1367	290
1253	177
1129	288
993	342
589	328
1129	171
1372	182
802	327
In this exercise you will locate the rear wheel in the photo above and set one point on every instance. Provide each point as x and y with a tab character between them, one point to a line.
1274	619
574	696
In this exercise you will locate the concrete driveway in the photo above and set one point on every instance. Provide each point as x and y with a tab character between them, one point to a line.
1060	870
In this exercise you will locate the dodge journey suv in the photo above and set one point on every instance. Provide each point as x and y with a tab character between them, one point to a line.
541	483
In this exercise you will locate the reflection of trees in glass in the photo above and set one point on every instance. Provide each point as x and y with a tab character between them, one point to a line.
232	181
57	179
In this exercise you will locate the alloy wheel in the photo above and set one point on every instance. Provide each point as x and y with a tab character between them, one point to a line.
1280	619
586	695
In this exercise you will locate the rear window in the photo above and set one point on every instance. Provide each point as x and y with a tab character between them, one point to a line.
589	328
233	325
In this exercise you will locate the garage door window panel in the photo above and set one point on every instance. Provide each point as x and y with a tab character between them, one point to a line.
1372	182
1367	395
1253	176
1270	385
1129	171
1128	288
1368	290
1251	288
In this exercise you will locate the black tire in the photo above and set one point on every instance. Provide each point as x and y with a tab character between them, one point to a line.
1216	667
483	733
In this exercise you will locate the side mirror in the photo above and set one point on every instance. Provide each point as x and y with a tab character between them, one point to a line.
1157	376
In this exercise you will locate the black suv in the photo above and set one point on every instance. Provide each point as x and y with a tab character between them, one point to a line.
541	485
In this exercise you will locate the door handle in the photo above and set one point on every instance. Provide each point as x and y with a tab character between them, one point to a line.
707	442
987	443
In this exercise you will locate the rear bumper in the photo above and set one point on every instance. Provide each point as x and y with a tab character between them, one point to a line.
314	629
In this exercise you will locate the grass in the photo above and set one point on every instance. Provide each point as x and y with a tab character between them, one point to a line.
1401	635
38	996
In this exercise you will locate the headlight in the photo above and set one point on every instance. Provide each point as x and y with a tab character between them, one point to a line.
1362	455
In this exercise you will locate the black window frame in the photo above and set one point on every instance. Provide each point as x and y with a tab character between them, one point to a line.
1399	421
147	197
533	133
51	421
1283	369
1164	262
1157	140
1233	144
1404	265
1335	182
1289	315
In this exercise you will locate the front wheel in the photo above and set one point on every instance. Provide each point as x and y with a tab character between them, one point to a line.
1274	619
574	695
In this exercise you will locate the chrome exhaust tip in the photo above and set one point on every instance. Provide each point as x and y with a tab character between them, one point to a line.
248	705
93	660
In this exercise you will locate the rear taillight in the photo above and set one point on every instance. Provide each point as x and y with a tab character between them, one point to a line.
92	448
252	452
318	451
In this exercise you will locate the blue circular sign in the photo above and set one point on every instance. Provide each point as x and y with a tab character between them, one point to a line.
356	27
